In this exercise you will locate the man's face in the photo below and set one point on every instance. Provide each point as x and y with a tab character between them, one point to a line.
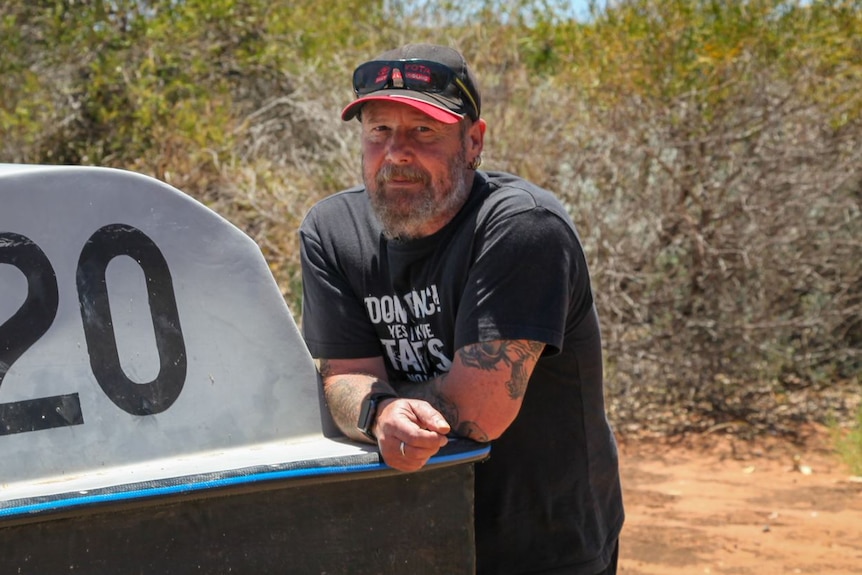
415	168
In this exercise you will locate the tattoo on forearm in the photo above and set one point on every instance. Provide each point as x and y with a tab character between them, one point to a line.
514	355
446	407
473	431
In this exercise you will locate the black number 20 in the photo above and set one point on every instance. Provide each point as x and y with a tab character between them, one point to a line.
37	313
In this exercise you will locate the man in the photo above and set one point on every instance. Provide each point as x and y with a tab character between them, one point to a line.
443	300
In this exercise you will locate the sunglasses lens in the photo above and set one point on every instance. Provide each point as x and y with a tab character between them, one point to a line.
370	77
413	75
426	76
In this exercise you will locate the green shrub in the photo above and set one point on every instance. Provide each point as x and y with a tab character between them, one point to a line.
849	444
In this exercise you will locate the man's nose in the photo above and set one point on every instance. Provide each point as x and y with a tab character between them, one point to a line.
400	149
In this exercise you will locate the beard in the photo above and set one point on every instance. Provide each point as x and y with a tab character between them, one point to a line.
407	215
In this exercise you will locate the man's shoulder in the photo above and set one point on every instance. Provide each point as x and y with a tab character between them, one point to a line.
510	194
346	204
340	200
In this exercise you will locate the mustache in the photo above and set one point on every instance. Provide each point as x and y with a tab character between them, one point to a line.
410	173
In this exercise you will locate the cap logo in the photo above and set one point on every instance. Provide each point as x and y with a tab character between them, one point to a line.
397	79
418	73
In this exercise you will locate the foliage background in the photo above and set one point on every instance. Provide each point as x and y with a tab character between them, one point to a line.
709	152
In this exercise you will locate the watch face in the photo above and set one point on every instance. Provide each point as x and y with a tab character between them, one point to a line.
366	415
369	411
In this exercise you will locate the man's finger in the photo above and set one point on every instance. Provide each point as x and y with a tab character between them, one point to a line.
430	419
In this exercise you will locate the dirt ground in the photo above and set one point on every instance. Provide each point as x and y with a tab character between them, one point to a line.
719	505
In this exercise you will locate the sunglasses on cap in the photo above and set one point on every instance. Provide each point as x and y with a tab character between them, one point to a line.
417	75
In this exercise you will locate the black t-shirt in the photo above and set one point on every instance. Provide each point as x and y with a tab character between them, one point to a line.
508	266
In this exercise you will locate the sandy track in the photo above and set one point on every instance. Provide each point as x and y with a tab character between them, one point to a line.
716	505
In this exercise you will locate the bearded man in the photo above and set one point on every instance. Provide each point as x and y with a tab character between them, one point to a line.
442	301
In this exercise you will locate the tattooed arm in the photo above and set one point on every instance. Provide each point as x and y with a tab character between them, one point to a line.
479	397
481	394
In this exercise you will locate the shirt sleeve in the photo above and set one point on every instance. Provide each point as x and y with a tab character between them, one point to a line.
529	280
334	323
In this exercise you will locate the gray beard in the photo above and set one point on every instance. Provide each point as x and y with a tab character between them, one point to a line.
424	205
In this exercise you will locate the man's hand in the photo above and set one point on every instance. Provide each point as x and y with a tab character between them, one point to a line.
409	432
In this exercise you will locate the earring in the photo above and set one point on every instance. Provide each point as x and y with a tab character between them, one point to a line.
477	161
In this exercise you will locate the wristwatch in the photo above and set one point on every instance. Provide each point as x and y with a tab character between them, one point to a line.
368	412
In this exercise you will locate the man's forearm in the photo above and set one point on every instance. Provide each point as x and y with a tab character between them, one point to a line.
344	394
431	392
479	396
487	380
343	398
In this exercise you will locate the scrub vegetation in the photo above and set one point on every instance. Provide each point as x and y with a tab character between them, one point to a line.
709	152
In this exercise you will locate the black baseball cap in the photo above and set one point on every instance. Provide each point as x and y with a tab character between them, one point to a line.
433	79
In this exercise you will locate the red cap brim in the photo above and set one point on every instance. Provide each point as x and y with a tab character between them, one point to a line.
437	112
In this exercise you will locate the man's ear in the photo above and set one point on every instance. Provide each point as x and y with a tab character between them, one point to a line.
476	138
